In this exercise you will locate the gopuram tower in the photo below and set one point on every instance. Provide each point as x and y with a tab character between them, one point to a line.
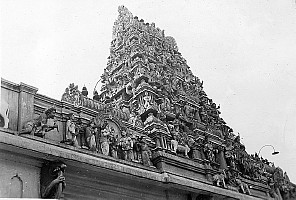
147	77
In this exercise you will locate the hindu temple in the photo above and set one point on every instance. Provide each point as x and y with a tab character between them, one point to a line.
151	132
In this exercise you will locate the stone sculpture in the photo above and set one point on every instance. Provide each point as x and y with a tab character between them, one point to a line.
145	152
71	131
40	125
90	136
104	140
53	180
219	179
126	145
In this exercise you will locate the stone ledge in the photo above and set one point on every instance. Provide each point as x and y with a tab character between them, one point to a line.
173	180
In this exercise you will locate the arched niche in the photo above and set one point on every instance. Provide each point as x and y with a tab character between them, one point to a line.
113	123
16	187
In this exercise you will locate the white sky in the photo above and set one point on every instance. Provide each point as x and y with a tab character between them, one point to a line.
243	50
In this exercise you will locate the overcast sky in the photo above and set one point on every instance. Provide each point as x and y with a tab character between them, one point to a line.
244	51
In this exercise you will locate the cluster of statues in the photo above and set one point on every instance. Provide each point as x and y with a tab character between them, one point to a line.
101	138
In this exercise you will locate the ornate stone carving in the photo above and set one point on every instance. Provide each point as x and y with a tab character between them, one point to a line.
52	180
90	136
219	179
72	131
42	124
72	95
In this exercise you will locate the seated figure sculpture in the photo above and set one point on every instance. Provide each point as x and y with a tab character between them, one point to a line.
40	125
176	147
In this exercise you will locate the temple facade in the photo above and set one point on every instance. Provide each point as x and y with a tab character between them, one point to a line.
150	133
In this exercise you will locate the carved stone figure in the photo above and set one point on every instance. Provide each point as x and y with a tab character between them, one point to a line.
209	150
229	156
219	179
243	187
145	152
126	145
52	180
40	125
90	135
71	131
100	125
104	140
177	148
114	143
72	95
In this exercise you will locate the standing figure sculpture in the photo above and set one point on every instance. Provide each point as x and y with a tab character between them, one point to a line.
71	131
145	152
114	142
209	150
126	144
100	125
104	140
90	132
40	125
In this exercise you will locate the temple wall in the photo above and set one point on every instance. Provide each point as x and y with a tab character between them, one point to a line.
19	176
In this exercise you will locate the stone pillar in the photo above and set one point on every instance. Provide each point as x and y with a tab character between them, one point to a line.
26	104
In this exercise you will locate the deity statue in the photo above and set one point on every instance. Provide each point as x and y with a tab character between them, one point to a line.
100	125
229	156
104	140
114	143
209	150
145	152
71	131
90	135
40	125
126	144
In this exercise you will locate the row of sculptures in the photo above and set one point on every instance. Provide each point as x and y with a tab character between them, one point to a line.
97	136
230	158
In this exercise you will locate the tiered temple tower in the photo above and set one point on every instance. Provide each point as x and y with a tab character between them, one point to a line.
149	79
